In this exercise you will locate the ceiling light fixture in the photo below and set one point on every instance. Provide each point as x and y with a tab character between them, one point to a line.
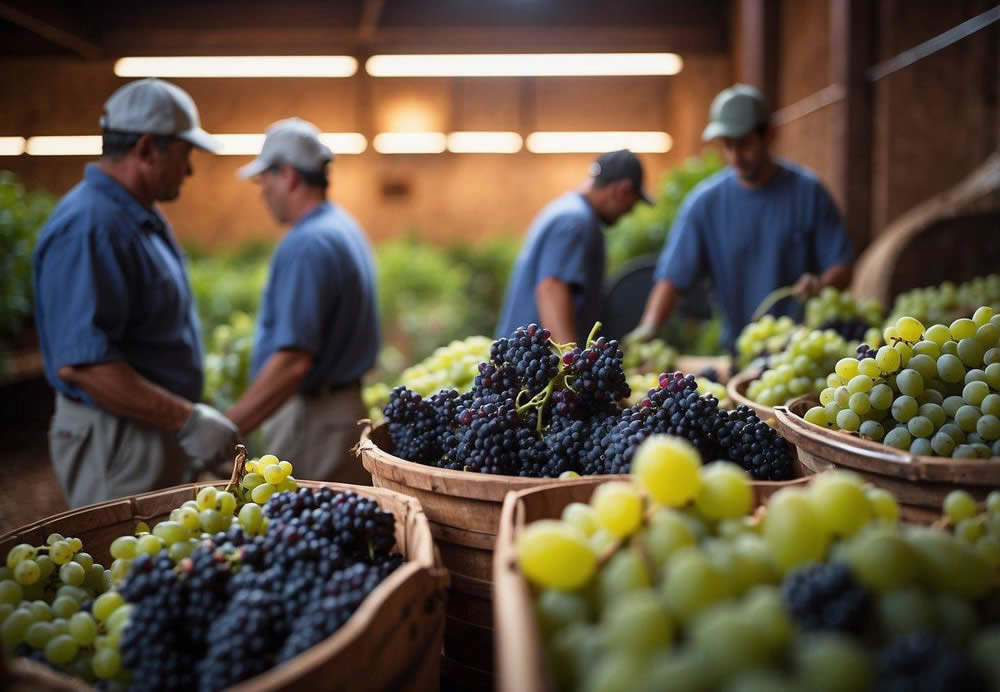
410	142
239	66
525	65
11	146
68	145
597	142
484	142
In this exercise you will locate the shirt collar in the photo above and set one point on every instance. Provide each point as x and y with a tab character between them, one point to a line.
320	208
111	188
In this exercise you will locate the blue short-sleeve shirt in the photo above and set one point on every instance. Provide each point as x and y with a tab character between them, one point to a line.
320	298
565	242
752	241
111	284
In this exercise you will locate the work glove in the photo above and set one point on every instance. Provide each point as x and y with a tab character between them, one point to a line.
208	437
641	334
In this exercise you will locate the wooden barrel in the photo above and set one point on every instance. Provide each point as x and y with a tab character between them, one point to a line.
919	483
390	643
521	663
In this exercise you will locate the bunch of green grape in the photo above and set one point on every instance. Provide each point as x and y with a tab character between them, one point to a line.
800	368
833	305
454	366
978	526
933	391
673	581
265	477
763	337
227	361
947	302
640	384
653	357
55	599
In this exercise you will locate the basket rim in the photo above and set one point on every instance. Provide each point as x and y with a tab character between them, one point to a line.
736	389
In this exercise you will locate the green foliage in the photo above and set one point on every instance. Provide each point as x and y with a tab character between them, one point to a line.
227	360
645	229
22	215
227	284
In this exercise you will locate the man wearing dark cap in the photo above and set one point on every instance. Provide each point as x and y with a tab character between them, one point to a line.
758	225
116	317
559	275
317	331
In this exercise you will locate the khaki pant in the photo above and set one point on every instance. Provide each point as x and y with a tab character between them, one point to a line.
98	456
316	433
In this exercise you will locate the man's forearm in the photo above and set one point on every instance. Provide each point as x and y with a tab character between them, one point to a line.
278	380
118	388
838	276
660	303
555	309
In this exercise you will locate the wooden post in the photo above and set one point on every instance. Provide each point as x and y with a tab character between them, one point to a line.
851	52
759	40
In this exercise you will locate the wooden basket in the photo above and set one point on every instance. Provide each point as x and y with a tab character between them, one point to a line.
393	640
919	483
521	662
736	388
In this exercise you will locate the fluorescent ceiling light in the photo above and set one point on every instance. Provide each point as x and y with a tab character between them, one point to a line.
11	146
250	144
410	142
484	142
239	66
596	142
525	65
85	145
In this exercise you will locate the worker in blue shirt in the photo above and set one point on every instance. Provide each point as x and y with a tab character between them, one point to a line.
317	330
558	279
116	318
760	224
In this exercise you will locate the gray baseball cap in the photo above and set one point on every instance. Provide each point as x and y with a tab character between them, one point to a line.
291	142
619	165
153	106
736	111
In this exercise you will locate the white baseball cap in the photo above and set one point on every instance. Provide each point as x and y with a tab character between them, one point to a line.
290	142
153	106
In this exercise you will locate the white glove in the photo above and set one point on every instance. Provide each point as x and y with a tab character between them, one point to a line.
641	334
208	436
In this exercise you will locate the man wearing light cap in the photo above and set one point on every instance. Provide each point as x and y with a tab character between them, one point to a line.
558	278
116	317
761	224
317	331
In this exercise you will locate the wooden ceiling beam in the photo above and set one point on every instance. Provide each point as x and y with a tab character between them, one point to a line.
371	10
53	25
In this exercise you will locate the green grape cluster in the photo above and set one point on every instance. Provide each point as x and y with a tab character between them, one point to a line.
55	599
979	526
673	581
933	391
947	302
265	477
800	368
227	361
832	305
652	357
767	335
454	366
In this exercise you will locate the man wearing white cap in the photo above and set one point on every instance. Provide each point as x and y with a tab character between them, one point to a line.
317	331
760	224
116	318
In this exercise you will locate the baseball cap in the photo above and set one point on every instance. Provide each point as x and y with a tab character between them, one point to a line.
736	111
153	106
291	142
619	165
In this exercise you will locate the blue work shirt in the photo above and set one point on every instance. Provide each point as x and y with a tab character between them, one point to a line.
111	284
320	298
752	241
565	242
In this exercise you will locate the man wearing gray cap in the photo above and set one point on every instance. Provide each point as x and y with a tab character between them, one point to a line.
558	278
116	318
317	331
760	224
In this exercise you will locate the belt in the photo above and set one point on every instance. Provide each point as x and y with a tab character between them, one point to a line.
74	398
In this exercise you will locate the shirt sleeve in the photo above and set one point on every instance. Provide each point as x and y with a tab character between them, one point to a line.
300	295
563	254
83	290
832	244
682	257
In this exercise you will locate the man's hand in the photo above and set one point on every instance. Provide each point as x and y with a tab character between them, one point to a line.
807	286
207	436
641	334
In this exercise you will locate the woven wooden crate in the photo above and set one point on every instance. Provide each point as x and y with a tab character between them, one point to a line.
919	483
393	640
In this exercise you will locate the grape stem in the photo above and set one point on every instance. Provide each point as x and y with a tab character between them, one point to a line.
771	300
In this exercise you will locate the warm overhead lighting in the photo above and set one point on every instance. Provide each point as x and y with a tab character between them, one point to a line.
525	65
250	145
409	142
239	66
596	142
484	142
85	145
11	146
